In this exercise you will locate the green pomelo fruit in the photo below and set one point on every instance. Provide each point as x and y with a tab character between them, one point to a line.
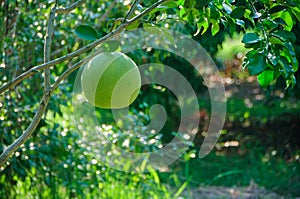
111	80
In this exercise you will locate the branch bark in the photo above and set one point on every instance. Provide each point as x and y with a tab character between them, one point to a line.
27	133
46	97
76	53
47	48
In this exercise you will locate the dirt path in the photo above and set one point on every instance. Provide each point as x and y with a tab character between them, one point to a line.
215	192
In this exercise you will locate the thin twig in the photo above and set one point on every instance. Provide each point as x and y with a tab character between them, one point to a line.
145	12
261	23
78	52
47	47
69	8
131	10
41	109
46	97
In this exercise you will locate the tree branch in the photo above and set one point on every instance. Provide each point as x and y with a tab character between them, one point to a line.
41	110
47	48
27	133
80	51
69	8
46	97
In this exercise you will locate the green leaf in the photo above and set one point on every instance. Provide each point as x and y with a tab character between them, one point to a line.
266	77
284	35
290	54
214	13
205	26
296	12
133	25
182	13
280	21
164	6
240	23
255	62
232	25
227	8
291	81
286	16
191	16
188	3
288	69
170	4
86	32
247	15
215	28
201	4
202	24
277	8
275	41
269	24
251	38
238	12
